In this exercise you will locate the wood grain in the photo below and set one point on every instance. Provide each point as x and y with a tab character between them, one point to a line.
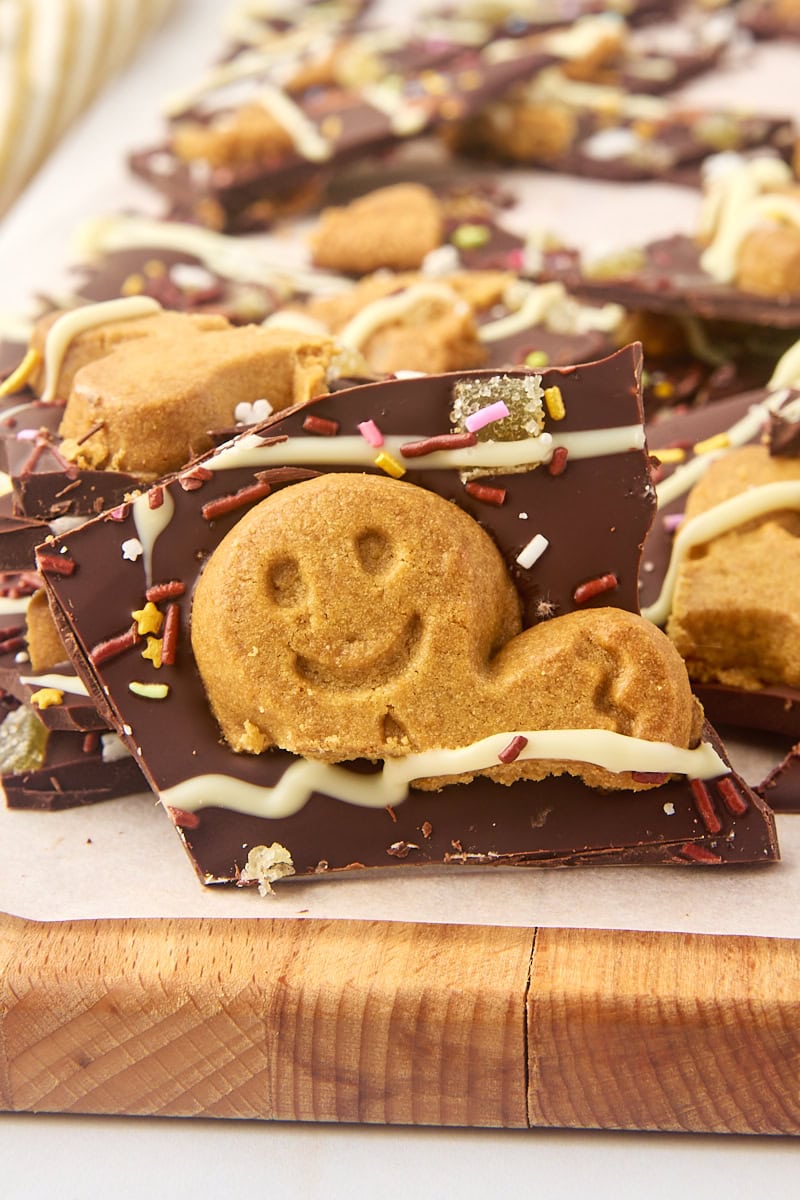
665	1031
401	1023
322	1021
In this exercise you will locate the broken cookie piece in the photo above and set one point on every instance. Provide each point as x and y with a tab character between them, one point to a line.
392	228
552	466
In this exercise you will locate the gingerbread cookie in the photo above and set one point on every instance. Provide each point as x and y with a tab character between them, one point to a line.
348	637
394	228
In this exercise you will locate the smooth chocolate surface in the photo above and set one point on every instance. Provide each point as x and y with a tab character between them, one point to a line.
671	280
72	775
595	515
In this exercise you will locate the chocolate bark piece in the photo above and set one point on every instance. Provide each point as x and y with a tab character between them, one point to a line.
74	773
665	276
574	137
345	125
781	787
772	709
594	512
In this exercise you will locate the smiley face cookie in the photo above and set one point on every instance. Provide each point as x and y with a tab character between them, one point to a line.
372	619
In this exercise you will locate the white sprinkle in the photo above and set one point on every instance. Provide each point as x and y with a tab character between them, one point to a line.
648	566
251	414
444	260
132	549
533	551
192	277
113	748
523	516
126	729
669	808
22	657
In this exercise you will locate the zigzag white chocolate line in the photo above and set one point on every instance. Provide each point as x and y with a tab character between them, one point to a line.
602	747
738	510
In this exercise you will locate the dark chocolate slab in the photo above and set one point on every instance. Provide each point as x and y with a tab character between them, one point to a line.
595	515
74	773
671	280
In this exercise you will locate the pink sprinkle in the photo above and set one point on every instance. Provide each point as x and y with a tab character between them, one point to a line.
27	435
673	521
485	416
370	433
516	258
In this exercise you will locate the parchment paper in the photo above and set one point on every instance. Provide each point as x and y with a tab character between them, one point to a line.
123	858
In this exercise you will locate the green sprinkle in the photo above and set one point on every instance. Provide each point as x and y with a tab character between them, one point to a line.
537	359
150	691
470	237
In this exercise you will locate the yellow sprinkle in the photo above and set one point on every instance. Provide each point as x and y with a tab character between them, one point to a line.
148	619
644	128
554	403
47	697
671	454
663	390
150	691
154	268
331	127
720	441
451	108
20	377
390	465
132	286
153	651
469	80
433	83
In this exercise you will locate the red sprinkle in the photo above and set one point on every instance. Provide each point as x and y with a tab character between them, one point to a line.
657	777
513	750
12	644
698	853
155	497
733	800
558	462
322	425
595	587
111	648
181	817
190	481
56	564
169	635
91	741
444	441
10	631
705	805
165	591
489	495
120	513
226	504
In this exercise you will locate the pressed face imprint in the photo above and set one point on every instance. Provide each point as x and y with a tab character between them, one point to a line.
372	618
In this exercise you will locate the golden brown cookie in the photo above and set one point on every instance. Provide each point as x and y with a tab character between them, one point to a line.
247	135
358	616
769	261
147	407
45	646
393	228
735	615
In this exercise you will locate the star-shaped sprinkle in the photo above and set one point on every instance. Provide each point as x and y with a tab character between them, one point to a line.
153	651
148	619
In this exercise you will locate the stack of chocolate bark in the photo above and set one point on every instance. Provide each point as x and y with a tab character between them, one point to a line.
345	561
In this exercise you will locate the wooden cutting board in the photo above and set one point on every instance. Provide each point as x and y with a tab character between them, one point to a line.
401	1023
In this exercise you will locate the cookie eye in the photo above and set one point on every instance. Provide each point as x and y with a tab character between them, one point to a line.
285	583
375	551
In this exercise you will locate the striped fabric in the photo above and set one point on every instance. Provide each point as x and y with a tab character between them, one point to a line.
55	55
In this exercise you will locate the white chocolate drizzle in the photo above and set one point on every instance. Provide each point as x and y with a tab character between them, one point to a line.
14	605
743	431
722	518
548	304
405	119
150	524
306	138
239	259
71	324
735	203
62	683
390	309
787	369
249	450
602	747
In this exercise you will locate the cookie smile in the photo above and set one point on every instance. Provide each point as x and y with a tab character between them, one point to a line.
380	668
